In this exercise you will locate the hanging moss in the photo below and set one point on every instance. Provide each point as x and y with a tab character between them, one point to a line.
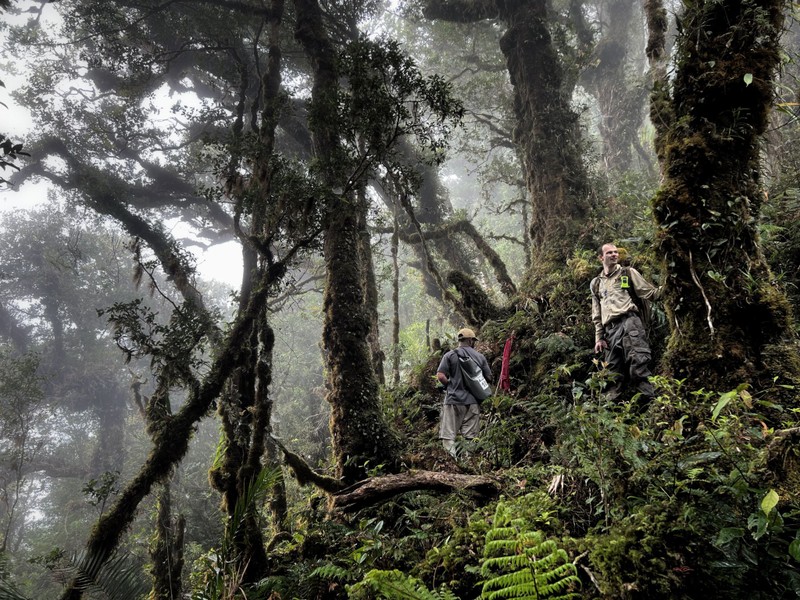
477	301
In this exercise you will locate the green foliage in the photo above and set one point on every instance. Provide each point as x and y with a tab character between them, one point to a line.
98	491
214	575
519	562
118	577
394	585
139	332
388	97
681	489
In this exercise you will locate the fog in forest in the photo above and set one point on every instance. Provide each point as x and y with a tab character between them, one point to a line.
238	237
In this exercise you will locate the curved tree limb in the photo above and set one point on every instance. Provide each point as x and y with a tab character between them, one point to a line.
305	474
376	489
111	196
465	227
171	442
459	306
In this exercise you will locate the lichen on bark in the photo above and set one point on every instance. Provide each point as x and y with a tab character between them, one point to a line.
728	315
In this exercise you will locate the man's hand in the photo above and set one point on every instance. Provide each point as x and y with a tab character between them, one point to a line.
600	346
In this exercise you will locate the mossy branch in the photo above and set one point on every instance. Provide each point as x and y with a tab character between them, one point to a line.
305	474
171	442
461	308
473	296
463	226
376	489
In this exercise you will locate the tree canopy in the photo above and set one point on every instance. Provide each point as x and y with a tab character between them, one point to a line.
389	173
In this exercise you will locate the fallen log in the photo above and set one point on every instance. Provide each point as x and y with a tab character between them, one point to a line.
375	489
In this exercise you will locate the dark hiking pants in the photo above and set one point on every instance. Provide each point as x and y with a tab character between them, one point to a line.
628	356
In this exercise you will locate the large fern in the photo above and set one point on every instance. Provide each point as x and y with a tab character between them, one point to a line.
520	564
118	577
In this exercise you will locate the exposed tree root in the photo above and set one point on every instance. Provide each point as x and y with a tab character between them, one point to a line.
375	489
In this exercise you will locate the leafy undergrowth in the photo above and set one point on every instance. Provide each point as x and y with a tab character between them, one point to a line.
692	496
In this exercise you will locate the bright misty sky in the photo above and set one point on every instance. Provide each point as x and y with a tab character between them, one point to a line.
222	262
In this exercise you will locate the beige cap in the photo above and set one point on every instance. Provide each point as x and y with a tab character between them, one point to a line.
466	334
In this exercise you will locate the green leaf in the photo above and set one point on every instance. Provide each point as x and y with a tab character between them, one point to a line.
728	534
794	550
759	522
724	400
748	78
769	502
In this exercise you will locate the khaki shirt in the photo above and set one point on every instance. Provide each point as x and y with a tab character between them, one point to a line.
615	300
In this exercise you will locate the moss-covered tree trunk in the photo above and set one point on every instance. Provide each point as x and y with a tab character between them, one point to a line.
167	550
245	416
614	78
730	321
371	296
547	130
360	434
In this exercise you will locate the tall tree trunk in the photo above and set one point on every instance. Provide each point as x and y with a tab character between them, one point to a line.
234	478
547	130
167	551
730	321
247	409
371	297
548	133
612	78
396	301
359	431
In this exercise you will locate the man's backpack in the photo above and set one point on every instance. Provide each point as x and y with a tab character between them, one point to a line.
645	306
472	376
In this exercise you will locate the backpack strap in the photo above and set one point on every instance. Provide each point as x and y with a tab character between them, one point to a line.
594	287
624	272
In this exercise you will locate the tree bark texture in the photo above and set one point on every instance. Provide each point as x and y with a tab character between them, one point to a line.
547	132
730	321
371	297
360	434
167	550
246	409
235	476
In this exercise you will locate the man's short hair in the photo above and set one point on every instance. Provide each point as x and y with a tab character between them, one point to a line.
600	250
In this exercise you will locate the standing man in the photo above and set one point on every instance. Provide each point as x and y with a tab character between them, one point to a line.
618	328
461	411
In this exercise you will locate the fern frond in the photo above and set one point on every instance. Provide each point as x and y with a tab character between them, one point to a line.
9	592
395	585
118	577
520	564
331	573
